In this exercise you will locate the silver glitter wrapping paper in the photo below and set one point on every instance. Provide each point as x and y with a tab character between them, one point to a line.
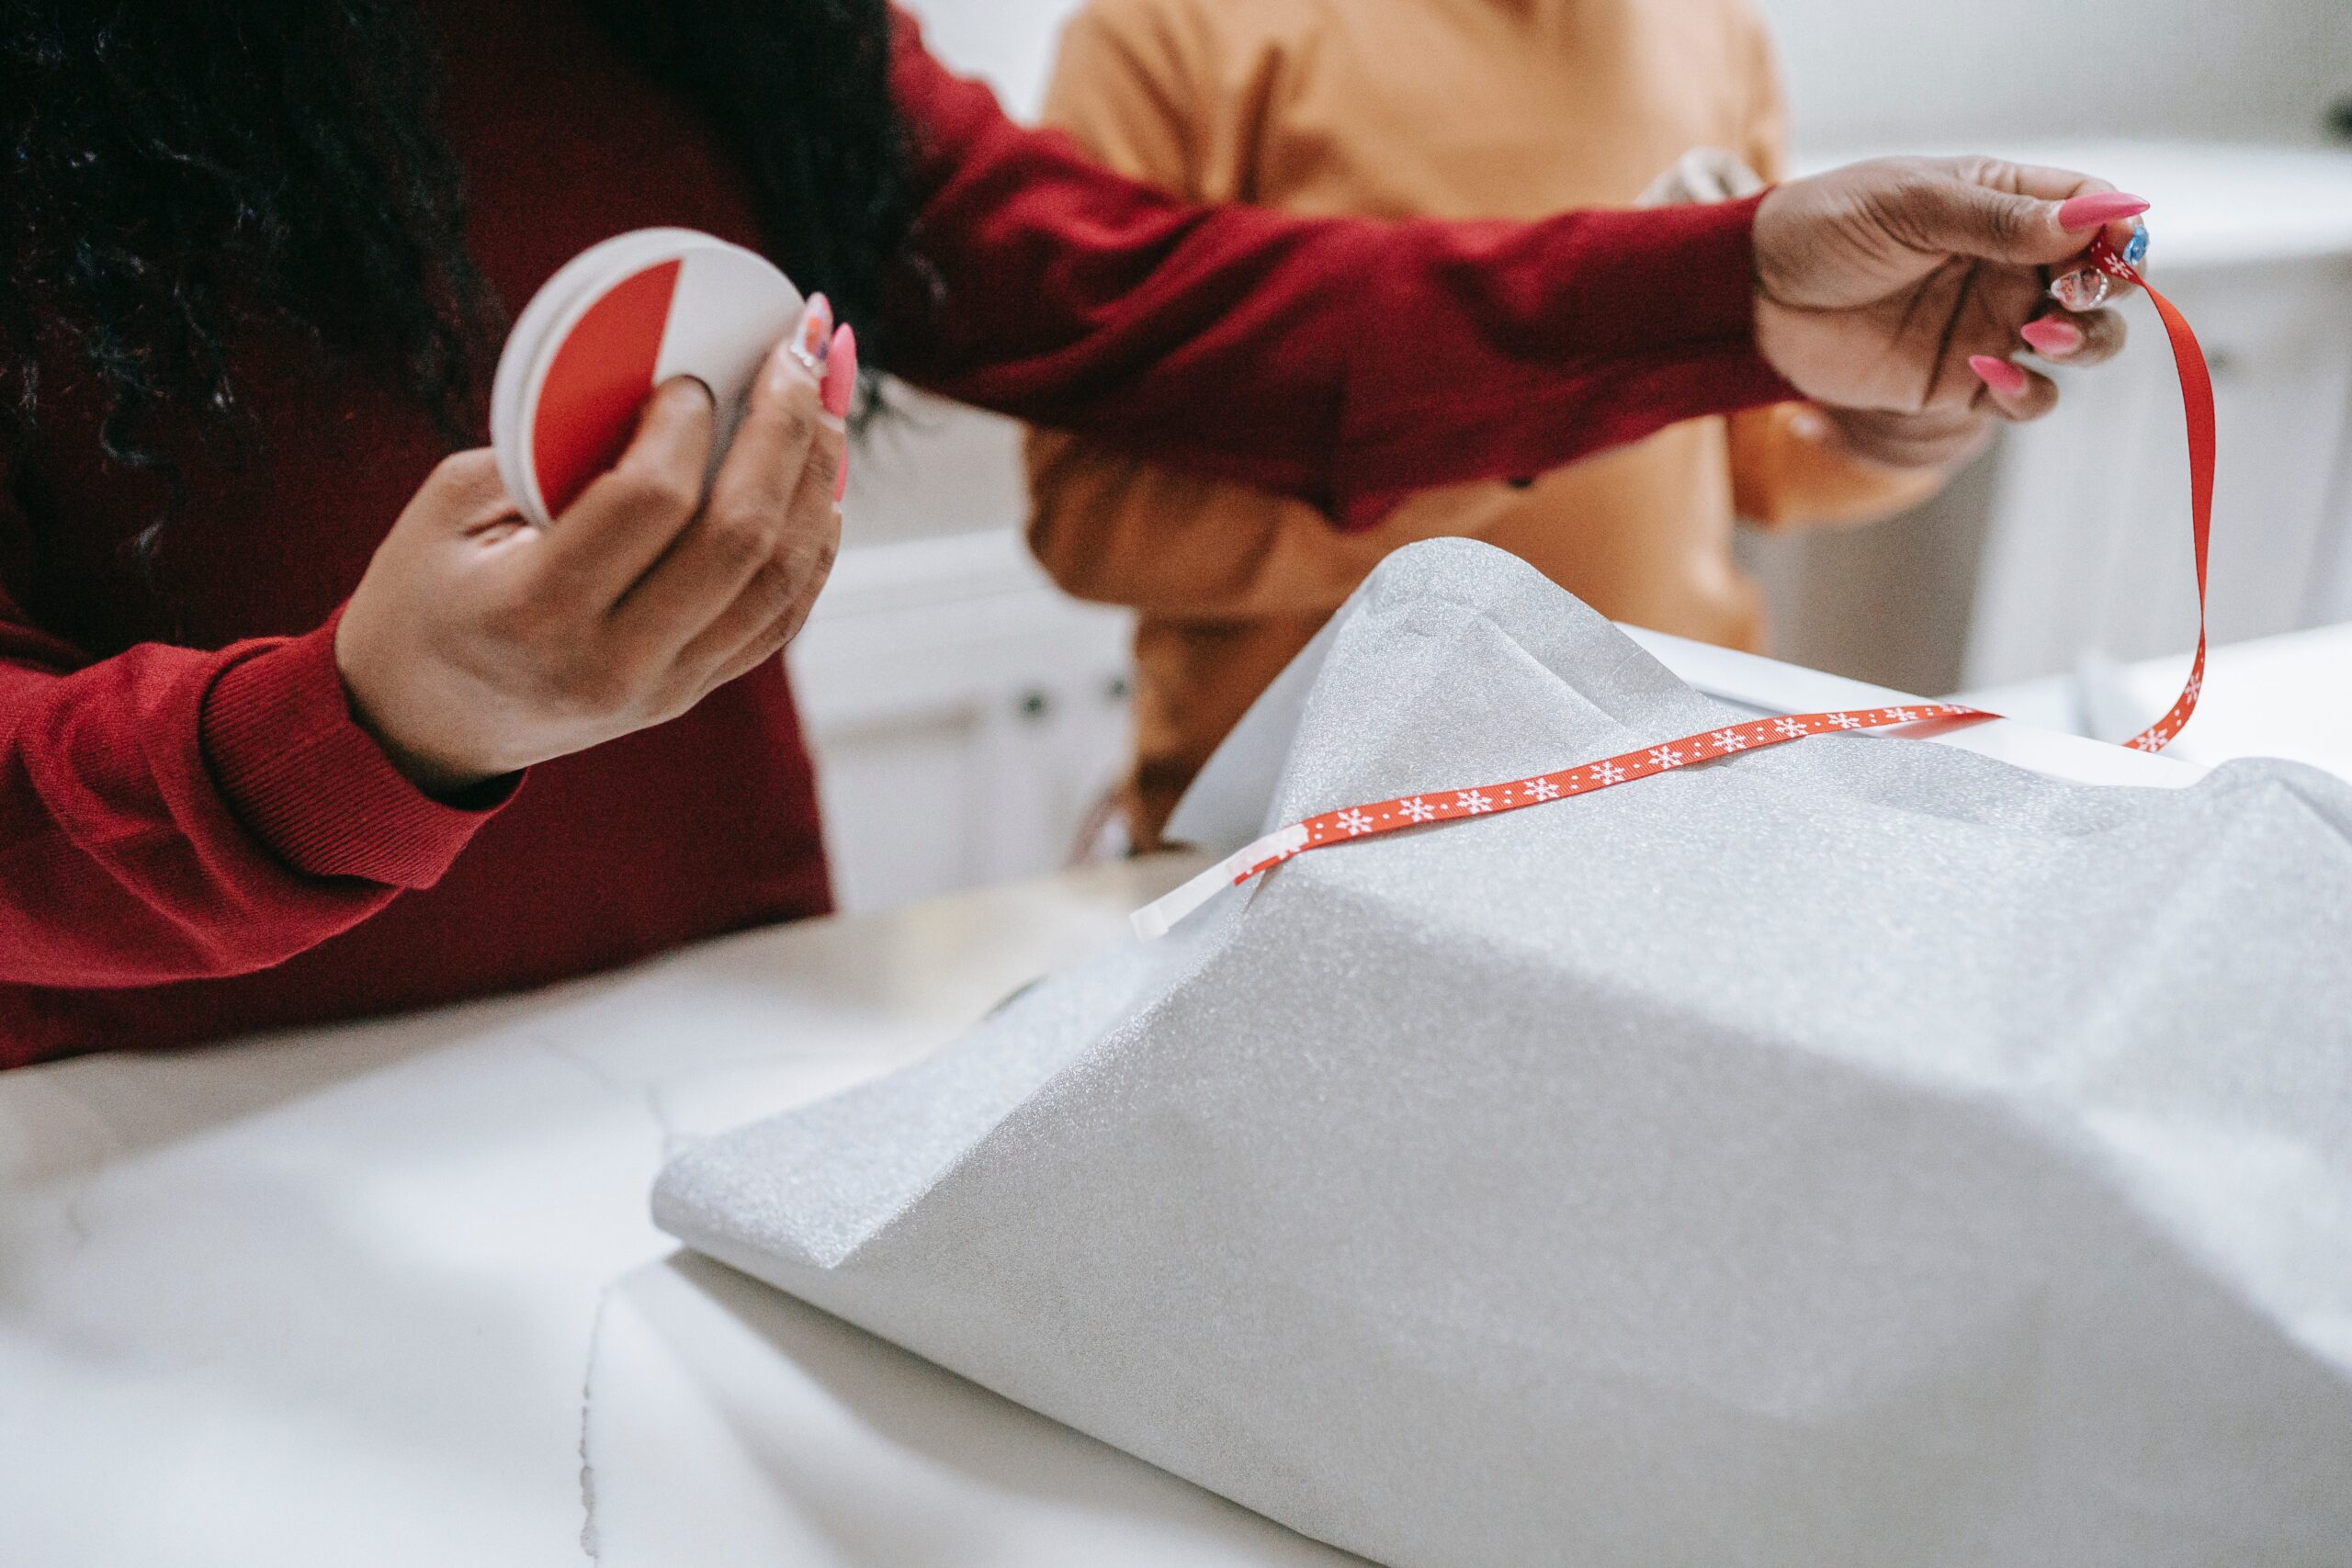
1858	1153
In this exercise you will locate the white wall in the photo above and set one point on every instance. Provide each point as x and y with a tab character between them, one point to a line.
1010	43
1929	72
1881	72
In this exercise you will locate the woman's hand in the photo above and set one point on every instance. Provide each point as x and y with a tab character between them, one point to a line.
478	645
1902	286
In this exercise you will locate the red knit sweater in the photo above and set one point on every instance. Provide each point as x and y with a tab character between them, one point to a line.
195	838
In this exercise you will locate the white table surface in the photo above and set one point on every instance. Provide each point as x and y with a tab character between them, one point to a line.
387	1294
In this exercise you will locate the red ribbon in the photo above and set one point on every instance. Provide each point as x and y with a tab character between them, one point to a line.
2197	408
1375	817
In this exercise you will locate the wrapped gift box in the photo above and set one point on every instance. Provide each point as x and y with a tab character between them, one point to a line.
1861	1152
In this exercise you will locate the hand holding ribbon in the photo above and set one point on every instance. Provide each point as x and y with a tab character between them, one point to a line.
1879	286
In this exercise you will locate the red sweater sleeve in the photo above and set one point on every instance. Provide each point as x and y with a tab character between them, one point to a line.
1348	362
169	813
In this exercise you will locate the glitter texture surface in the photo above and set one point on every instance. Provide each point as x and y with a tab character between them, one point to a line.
1860	1152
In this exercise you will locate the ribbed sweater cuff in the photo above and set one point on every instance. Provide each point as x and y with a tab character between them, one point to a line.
1686	273
305	779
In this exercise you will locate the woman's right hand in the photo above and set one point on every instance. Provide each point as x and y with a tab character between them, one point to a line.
1904	286
476	645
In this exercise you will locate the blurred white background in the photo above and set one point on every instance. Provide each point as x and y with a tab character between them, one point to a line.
941	666
1908	73
1901	73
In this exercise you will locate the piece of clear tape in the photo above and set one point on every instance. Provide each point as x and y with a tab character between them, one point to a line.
1157	919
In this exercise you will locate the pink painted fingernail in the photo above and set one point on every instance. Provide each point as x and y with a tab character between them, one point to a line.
840	372
1998	374
2052	337
2100	207
840	386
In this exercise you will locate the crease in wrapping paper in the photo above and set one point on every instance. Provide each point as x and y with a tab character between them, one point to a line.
1865	1153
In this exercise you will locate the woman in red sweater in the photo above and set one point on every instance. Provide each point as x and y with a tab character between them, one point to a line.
273	663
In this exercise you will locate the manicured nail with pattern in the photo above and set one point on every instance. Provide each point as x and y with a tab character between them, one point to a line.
2100	207
812	342
2085	289
1998	374
2053	338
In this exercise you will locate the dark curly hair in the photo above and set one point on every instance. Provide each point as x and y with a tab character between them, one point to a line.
165	167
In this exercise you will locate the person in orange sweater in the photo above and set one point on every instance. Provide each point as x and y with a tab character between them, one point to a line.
1454	108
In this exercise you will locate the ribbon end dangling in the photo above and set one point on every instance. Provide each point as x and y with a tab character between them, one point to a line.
2197	416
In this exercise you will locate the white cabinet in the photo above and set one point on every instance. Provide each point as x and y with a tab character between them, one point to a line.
966	717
